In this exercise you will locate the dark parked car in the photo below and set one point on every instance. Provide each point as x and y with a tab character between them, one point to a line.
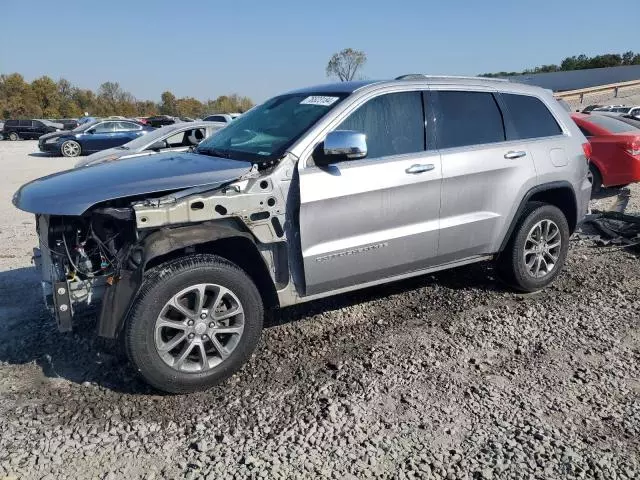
28	129
160	121
589	108
68	123
92	137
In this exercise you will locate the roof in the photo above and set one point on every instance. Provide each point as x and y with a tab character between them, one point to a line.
577	79
416	79
337	87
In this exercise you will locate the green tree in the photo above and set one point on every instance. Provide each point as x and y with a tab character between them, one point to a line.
86	101
345	64
146	108
17	99
47	95
189	107
68	107
168	104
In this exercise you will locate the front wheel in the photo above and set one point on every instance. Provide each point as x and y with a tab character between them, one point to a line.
195	322
537	249
71	148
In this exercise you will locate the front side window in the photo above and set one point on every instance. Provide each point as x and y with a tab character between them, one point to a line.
531	117
393	124
217	118
105	127
467	118
266	132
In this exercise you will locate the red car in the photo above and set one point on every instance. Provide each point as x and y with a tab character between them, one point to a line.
615	158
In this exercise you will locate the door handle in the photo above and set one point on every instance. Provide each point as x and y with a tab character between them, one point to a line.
419	168
512	154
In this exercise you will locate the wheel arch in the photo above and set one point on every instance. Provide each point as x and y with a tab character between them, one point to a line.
560	194
167	244
600	166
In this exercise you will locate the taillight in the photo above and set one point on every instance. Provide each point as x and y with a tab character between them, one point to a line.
633	148
586	147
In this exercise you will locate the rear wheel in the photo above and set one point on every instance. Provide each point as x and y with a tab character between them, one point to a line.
71	148
537	249
13	136
595	177
195	322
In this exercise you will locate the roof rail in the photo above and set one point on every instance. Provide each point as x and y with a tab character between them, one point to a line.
419	76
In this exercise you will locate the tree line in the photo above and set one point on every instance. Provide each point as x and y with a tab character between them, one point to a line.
578	62
47	98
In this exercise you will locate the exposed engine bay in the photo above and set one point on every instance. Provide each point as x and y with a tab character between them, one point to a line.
80	255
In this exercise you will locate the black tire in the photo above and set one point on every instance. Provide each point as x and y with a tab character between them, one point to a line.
159	286
13	136
596	179
511	262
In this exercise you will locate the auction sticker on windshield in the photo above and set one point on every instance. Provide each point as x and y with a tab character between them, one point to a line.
319	100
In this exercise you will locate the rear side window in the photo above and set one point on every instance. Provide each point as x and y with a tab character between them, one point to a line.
530	116
467	118
127	126
217	118
25	123
393	124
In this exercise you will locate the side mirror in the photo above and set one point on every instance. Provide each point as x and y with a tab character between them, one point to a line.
91	130
159	145
341	145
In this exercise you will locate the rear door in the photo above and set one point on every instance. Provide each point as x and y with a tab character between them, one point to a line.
483	174
39	128
26	129
369	219
126	131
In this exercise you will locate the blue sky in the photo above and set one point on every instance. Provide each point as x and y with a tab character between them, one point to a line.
260	48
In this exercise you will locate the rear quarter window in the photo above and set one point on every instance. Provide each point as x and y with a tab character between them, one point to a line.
11	123
530	116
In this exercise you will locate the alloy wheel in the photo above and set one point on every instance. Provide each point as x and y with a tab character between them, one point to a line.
542	248
199	328
70	149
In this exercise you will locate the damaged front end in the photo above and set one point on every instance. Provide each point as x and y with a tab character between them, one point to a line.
91	248
79	256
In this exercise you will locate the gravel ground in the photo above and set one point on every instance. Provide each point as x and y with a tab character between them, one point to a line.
445	376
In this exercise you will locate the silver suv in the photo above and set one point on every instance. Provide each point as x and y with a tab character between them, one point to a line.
313	193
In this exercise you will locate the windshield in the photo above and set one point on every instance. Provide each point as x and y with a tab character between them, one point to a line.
265	132
611	124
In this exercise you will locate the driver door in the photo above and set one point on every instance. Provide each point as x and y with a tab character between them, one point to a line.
101	138
378	217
